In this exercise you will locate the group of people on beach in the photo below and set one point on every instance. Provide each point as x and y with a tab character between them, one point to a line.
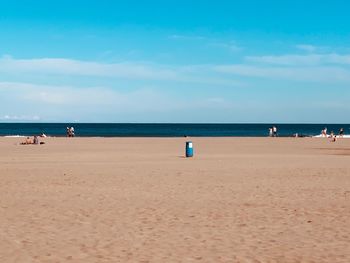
332	135
70	132
35	139
324	133
273	131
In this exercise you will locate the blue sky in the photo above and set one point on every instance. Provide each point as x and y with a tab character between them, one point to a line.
175	61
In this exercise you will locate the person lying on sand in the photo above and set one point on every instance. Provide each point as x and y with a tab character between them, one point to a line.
27	141
30	141
334	139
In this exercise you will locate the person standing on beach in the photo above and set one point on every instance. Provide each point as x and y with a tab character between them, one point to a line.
341	132
270	132
71	132
274	131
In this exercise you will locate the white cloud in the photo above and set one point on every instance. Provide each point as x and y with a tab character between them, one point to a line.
100	99
231	46
287	60
86	68
73	96
307	48
301	60
313	74
48	67
59	103
186	37
20	118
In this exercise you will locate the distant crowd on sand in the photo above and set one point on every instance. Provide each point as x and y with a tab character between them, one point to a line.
272	133
332	135
35	138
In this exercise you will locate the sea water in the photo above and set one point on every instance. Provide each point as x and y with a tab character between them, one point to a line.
166	130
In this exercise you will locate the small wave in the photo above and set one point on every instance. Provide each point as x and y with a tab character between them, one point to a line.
14	136
347	136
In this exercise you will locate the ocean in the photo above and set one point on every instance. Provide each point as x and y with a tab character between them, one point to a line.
165	130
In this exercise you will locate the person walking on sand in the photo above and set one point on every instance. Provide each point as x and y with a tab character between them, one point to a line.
341	132
324	132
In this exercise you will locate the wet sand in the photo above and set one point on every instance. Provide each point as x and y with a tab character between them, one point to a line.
140	200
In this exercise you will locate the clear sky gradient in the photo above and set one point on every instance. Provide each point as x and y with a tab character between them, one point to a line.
175	61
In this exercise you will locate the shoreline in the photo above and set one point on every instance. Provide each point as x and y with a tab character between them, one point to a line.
293	137
170	130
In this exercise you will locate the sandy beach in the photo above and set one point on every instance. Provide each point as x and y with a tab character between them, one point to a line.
140	200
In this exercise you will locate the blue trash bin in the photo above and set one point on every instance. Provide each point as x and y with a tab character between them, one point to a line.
189	149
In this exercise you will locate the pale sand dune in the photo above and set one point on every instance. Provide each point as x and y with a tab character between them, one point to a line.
139	200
